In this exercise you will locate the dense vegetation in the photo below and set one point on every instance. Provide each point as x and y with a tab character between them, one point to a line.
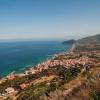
95	95
37	91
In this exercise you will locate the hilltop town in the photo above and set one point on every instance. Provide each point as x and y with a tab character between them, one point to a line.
73	75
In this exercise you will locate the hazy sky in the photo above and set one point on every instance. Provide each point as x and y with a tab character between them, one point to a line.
49	19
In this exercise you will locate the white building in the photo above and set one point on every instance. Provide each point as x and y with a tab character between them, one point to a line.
10	90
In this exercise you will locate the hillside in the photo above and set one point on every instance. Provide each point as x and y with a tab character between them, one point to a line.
69	41
66	76
88	43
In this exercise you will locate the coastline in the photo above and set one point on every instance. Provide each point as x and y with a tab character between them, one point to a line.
23	71
27	53
62	67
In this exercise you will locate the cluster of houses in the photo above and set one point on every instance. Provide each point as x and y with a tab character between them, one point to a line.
83	60
10	92
11	76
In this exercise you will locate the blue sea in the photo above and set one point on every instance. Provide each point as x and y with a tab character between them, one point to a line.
16	56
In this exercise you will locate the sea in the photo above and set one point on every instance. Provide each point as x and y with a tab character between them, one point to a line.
18	55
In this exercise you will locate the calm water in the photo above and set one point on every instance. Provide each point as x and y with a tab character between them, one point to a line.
14	56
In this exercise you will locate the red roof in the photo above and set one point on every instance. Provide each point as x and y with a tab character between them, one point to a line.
23	85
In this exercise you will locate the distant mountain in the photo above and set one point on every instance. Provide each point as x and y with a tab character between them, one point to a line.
69	42
88	43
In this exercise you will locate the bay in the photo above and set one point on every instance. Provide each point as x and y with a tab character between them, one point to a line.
15	56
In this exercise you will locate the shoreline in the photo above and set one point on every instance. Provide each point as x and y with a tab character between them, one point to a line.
34	53
56	73
69	61
25	69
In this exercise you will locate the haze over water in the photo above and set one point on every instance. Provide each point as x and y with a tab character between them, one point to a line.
15	56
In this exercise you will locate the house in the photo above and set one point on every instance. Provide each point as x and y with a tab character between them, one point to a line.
1	97
10	77
10	90
23	85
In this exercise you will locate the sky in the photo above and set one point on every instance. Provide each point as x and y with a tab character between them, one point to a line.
49	19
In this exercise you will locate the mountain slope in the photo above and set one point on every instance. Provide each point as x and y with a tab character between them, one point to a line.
88	43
